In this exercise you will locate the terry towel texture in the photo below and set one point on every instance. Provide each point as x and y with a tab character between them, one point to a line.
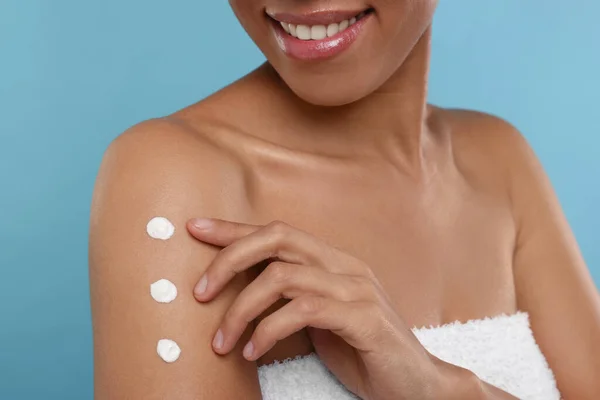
500	350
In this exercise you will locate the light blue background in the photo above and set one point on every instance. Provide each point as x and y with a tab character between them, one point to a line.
74	74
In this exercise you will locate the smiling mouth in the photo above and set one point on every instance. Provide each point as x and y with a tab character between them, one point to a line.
304	30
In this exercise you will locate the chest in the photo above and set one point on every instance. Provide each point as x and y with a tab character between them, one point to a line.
441	254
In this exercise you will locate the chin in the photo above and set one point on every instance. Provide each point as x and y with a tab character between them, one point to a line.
328	90
327	99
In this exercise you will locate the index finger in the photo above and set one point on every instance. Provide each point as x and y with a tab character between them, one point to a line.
219	232
275	241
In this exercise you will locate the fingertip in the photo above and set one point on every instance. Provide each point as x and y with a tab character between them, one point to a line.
200	288
200	224
200	297
217	342
249	352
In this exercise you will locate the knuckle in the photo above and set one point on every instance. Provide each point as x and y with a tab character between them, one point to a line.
278	227
345	293
279	233
277	272
279	230
366	287
310	305
366	270
264	330
360	267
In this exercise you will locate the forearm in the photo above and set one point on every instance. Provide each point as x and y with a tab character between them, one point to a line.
462	384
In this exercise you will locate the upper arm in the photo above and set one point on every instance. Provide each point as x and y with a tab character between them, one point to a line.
155	171
552	281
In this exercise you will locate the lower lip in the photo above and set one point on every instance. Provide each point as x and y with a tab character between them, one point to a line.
310	50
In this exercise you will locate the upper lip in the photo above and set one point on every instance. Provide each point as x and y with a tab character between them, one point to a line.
325	17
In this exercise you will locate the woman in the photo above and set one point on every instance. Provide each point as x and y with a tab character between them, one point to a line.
343	210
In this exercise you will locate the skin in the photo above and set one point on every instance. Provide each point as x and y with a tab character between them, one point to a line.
446	214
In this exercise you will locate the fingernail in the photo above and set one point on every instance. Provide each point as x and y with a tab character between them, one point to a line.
201	286
218	340
202	223
249	350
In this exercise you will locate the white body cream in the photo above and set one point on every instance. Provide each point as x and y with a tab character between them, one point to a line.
160	228
163	291
168	350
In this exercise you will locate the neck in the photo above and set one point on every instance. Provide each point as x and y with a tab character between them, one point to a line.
390	123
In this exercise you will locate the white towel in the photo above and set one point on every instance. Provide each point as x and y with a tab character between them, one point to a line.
501	351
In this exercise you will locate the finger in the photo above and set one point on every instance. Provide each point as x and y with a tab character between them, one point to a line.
219	232
283	280
358	323
275	241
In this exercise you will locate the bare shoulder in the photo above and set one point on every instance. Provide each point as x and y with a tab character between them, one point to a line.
165	168
173	144
473	120
491	148
552	282
486	132
169	157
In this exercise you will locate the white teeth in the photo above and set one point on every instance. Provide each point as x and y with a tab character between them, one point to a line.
303	32
318	32
344	25
333	29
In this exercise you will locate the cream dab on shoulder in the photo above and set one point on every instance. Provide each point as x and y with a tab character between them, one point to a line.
160	228
168	350
163	291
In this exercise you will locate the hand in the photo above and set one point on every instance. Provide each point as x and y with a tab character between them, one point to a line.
335	296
